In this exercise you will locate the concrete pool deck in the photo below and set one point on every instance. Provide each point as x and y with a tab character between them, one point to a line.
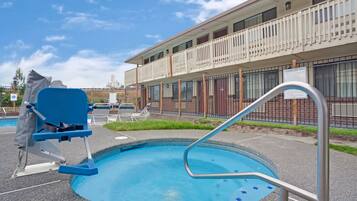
294	159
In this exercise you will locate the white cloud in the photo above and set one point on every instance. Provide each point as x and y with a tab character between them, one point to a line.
6	4
85	21
17	45
55	38
88	22
205	8
156	37
58	8
153	36
179	14
86	68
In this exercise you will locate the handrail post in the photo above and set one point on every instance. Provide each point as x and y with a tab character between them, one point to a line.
284	195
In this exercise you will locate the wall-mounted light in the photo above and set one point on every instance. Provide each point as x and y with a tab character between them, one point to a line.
288	4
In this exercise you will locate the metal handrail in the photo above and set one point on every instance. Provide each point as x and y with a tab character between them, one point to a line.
322	150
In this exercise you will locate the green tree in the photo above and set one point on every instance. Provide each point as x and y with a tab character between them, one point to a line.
6	100
18	81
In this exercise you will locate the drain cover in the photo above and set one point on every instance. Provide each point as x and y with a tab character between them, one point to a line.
121	138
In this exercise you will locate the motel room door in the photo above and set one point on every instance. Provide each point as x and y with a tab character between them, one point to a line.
220	94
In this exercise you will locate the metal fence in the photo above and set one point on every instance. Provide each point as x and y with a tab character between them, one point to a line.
226	94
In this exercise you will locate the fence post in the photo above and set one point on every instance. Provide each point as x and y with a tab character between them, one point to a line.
179	97
241	88
161	96
204	88
294	101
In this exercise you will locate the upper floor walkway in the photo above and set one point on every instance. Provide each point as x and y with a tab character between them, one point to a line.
328	24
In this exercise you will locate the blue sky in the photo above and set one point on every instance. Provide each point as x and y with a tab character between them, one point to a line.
83	42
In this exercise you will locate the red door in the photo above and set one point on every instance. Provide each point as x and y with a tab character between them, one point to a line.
220	96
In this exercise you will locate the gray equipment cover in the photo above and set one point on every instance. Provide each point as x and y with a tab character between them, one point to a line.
26	123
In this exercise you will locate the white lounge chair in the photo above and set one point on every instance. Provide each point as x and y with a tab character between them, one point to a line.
125	111
143	114
100	113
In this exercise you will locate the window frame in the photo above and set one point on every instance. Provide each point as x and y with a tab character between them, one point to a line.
154	93
217	34
342	75
203	37
270	18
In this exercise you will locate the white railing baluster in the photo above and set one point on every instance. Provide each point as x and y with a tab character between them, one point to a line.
355	13
301	31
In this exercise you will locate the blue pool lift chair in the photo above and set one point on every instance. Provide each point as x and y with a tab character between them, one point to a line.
62	114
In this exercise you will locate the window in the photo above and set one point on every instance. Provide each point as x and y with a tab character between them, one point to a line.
175	91
317	1
271	80
253	85
269	14
337	80
203	39
238	26
152	58
160	55
219	33
288	5
175	49
254	20
325	80
188	44
155	93
146	61
346	75
182	46
258	83
186	90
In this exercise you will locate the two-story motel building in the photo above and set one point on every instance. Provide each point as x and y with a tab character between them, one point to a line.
219	66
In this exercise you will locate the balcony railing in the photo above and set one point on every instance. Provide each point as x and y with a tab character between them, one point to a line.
324	25
130	77
155	70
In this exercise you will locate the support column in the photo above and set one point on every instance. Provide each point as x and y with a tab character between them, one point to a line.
294	101
137	88
147	94
241	90
179	97
161	96
205	99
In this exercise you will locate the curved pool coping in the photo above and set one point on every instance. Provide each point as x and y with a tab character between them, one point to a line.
210	143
